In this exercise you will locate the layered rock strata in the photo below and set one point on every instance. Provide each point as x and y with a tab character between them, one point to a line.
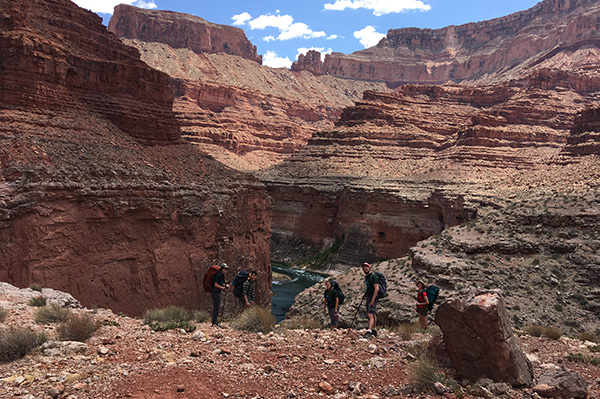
85	206
488	51
180	30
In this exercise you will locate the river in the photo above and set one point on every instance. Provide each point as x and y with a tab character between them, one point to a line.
286	290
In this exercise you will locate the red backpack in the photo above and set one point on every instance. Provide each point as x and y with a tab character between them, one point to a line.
209	277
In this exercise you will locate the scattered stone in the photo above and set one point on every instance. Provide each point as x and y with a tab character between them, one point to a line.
562	384
103	350
180	388
326	387
499	388
440	388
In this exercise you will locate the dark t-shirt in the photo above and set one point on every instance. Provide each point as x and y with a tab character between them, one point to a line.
219	279
370	281
330	297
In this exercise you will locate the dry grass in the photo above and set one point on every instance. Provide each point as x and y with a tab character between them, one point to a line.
201	316
425	372
301	323
170	314
77	328
255	319
37	301
3	314
405	330
534	330
17	342
52	313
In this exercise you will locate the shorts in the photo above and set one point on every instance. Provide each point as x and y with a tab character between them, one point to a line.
422	311
372	309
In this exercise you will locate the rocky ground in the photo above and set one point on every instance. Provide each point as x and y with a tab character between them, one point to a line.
125	358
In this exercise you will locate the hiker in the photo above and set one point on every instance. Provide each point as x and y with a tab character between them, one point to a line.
372	283
422	302
248	290
331	303
218	287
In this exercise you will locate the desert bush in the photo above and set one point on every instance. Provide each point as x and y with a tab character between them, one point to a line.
171	325
585	336
301	323
405	330
52	313
37	301
17	342
35	287
551	332
3	314
170	314
534	330
255	319
201	316
425	372
77	328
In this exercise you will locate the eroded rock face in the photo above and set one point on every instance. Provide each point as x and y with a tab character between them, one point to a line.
479	340
311	62
486	51
180	30
85	206
585	134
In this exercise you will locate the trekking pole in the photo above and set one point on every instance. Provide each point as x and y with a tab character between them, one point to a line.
223	307
356	314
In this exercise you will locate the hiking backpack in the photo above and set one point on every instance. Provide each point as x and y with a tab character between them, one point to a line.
338	289
382	293
238	283
209	277
432	293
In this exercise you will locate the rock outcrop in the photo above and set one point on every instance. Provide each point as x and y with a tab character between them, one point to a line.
585	134
551	33
311	62
562	384
479	340
180	30
85	205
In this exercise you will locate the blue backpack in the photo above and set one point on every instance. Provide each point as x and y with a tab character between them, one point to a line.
432	293
238	283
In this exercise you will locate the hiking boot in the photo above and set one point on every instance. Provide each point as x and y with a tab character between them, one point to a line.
374	332
368	334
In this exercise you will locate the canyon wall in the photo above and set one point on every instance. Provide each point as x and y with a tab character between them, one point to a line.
99	194
488	51
180	30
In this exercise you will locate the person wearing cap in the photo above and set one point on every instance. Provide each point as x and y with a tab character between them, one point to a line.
218	287
372	283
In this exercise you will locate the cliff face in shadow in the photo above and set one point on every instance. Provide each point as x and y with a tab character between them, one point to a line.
99	195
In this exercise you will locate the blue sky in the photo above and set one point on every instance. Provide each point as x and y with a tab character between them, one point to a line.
283	29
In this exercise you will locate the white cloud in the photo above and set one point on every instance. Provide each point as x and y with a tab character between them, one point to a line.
271	59
368	36
108	6
304	50
379	7
332	37
269	38
241	19
286	26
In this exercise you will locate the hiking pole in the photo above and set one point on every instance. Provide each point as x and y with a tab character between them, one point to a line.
356	314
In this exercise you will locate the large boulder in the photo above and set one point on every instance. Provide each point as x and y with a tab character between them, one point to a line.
562	384
479	340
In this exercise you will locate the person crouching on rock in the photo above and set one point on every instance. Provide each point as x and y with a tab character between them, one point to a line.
331	303
422	302
218	287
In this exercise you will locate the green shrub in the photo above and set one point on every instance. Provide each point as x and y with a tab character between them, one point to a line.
534	330
52	313
301	323
170	314
77	328
17	342
37	301
171	325
425	372
255	319
3	314
201	316
35	287
406	330
552	333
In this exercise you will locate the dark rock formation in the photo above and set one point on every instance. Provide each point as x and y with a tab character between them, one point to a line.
497	49
585	134
85	206
180	30
479	339
562	384
310	62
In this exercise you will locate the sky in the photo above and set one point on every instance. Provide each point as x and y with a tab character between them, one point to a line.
283	29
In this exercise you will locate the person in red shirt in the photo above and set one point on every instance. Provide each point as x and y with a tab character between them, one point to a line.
422	302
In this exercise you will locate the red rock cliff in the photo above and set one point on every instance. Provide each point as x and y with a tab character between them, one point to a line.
491	50
181	31
85	206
